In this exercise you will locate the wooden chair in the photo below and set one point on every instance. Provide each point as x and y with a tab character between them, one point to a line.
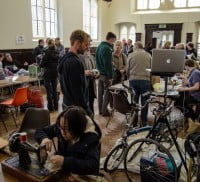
19	98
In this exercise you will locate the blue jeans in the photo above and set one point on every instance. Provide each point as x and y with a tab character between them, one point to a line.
140	87
52	95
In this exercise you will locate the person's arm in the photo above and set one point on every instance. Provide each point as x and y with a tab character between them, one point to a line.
89	165
195	87
46	132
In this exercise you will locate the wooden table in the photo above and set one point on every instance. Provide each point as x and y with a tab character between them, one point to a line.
17	80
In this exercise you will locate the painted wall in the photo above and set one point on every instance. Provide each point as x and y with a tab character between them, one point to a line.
124	11
15	19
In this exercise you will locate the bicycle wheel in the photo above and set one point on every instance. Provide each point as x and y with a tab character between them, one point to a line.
144	160
115	157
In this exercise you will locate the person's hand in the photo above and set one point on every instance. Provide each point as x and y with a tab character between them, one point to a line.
57	161
88	72
48	144
184	81
181	89
122	71
110	82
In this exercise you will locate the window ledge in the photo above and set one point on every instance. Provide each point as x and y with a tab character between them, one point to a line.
190	10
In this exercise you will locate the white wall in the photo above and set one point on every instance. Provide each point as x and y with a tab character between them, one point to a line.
15	19
123	11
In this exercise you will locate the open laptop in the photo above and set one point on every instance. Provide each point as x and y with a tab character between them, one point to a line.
167	61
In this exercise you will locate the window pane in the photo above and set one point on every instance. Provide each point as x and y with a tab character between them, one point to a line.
180	3
52	4
131	34
52	15
154	4
141	4
193	3
47	4
48	29
47	15
123	33
33	2
35	32
39	2
34	16
53	33
39	13
40	29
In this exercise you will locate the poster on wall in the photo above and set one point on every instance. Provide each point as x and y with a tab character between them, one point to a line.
20	39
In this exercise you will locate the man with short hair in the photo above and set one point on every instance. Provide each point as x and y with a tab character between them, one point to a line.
139	78
191	51
71	72
105	67
38	51
129	46
59	47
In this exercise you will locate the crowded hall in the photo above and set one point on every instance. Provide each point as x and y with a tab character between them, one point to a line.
100	91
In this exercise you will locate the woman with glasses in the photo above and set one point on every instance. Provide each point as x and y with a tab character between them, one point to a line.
78	142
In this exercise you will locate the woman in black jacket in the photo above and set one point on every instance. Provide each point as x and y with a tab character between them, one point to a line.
78	142
49	63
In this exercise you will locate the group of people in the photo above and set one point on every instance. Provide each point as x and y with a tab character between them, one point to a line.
78	134
10	66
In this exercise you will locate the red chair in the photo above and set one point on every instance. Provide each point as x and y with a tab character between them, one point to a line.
19	98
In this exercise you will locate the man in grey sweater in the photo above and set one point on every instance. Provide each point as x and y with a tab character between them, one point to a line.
139	78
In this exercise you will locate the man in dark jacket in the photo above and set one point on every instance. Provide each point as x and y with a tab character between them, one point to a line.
78	142
105	67
38	51
72	74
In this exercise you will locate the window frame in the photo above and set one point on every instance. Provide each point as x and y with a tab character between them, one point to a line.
128	27
185	7
90	19
144	9
44	20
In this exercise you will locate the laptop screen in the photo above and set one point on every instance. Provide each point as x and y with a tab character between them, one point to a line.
167	61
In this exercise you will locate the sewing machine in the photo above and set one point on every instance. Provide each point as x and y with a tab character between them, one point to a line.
28	164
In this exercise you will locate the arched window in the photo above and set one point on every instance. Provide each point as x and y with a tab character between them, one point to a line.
123	32
127	31
44	14
131	34
90	18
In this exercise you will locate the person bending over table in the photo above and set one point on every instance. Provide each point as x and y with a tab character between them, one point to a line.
190	90
78	142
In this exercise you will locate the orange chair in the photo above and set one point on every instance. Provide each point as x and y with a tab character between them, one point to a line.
19	98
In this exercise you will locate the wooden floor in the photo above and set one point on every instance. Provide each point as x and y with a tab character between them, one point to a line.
109	137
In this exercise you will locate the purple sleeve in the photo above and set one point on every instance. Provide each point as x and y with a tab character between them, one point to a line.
196	77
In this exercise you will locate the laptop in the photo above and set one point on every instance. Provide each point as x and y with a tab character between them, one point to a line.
167	61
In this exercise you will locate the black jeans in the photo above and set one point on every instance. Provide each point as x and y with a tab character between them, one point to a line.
184	103
140	87
52	95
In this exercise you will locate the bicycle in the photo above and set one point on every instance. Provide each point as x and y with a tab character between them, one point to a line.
149	155
192	148
116	155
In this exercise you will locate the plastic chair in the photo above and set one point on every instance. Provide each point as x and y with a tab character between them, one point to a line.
19	98
34	118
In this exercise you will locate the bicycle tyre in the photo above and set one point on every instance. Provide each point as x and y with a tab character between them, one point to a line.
149	167
118	150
